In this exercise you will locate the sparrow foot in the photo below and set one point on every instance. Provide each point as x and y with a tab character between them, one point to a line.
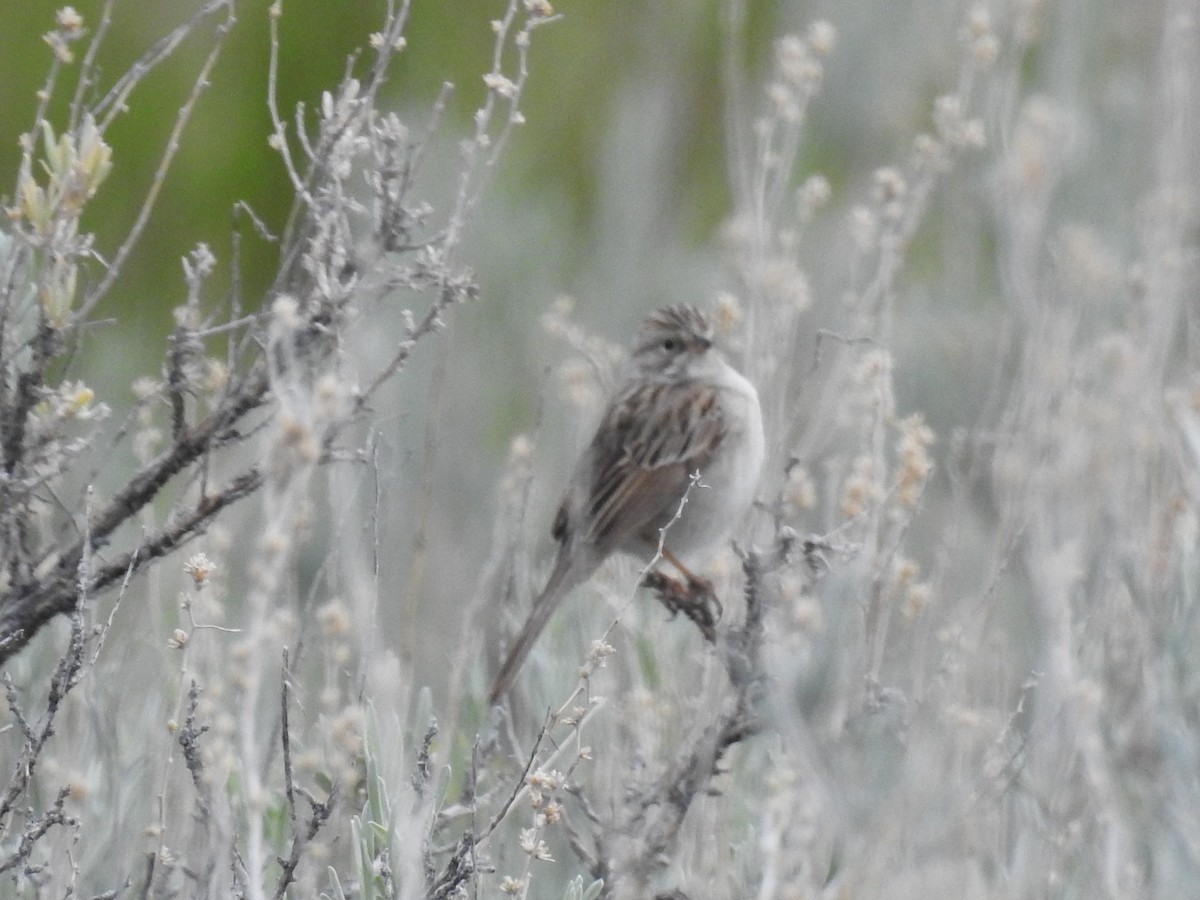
695	598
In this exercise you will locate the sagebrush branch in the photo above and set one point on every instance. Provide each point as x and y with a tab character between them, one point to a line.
29	605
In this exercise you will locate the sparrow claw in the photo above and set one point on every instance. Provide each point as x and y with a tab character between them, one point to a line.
695	599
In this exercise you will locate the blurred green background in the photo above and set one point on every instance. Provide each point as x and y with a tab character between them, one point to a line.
613	192
623	155
623	96
583	66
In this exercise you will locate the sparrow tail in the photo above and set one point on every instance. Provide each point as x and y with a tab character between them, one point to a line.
543	607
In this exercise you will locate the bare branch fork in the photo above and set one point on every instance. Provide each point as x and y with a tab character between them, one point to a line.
66	676
633	850
320	811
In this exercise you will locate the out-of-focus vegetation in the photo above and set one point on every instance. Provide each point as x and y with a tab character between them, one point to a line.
953	244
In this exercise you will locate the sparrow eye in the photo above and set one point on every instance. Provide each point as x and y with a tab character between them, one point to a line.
670	345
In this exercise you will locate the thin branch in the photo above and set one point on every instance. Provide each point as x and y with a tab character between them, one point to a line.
36	830
87	68
115	101
164	164
22	615
320	811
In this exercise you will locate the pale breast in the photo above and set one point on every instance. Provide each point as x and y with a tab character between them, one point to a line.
726	488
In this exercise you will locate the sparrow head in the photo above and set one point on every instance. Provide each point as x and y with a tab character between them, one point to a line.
672	339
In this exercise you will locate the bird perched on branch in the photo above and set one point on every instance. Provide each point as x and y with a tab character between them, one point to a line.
681	410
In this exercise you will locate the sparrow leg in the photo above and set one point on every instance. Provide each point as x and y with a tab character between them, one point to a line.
695	584
693	581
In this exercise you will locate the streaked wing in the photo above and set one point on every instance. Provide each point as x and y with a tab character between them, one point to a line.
653	437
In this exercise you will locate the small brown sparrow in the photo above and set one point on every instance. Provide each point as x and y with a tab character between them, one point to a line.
681	410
